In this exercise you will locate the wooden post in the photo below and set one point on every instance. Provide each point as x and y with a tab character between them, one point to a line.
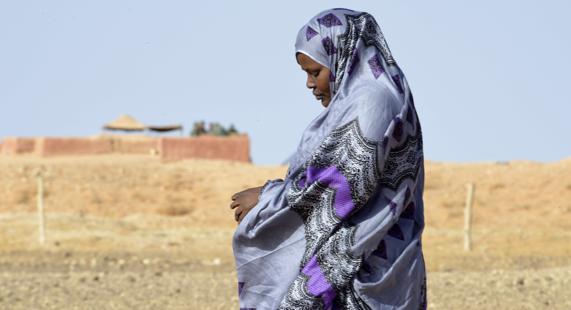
468	217
41	215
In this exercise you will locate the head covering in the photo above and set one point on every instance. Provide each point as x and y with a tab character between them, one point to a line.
351	45
340	48
342	230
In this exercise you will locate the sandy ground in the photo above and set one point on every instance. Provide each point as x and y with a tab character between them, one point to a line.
129	232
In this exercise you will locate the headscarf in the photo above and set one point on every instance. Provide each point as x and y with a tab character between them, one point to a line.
342	230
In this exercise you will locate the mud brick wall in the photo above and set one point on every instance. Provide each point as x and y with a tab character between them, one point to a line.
72	146
13	145
235	148
139	145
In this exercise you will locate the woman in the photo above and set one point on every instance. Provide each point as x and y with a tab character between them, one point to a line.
343	229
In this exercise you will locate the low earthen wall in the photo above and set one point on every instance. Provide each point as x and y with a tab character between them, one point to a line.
14	146
138	145
235	148
72	146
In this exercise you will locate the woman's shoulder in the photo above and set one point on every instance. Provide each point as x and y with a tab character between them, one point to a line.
376	98
374	107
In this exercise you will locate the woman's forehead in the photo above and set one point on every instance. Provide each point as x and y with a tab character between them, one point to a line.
306	62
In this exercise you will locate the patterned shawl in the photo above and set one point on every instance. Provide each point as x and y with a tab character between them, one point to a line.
342	230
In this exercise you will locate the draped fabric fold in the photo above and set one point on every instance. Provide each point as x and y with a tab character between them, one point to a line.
343	229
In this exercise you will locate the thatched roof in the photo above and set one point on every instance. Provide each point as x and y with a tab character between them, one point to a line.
125	123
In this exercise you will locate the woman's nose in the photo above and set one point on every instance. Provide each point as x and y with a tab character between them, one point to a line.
310	83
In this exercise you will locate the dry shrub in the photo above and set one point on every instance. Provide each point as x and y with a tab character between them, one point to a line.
96	198
138	196
23	196
447	204
497	186
174	210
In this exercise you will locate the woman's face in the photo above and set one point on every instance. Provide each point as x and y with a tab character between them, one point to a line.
317	78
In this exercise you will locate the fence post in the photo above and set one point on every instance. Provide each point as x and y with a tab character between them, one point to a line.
40	201
468	217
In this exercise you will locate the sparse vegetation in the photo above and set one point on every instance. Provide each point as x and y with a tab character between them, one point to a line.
158	236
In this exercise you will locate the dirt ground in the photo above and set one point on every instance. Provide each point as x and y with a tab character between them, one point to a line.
130	232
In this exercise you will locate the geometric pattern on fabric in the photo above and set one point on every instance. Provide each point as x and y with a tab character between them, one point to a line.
403	161
324	279
349	299
398	83
310	33
329	20
381	250
408	212
299	297
398	129
376	66
396	232
360	27
328	46
372	34
338	179
354	62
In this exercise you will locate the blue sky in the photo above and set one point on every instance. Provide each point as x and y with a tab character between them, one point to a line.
489	77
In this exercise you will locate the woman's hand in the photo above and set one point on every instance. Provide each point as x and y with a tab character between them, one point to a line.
244	201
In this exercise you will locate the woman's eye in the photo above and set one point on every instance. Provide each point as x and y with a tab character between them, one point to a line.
315	74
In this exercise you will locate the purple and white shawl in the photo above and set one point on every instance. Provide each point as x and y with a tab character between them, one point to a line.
343	229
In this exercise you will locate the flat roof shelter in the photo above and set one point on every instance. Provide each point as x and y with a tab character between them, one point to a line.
166	128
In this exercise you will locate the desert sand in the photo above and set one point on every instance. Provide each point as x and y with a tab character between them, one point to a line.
131	232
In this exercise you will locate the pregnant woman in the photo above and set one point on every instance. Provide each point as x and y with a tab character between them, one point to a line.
343	229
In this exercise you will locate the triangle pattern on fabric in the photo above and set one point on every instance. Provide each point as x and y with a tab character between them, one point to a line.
310	33
396	232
